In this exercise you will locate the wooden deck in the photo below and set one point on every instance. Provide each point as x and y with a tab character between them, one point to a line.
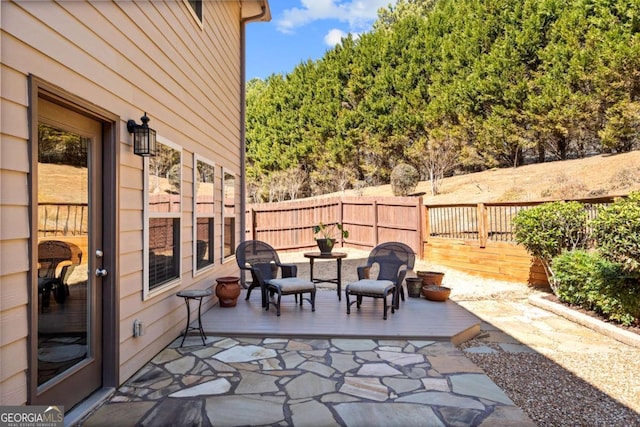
417	318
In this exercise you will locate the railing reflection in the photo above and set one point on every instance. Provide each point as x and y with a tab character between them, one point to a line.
62	219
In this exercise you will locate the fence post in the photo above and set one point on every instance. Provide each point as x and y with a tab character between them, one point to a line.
426	227
341	219
483	233
374	205
419	222
253	224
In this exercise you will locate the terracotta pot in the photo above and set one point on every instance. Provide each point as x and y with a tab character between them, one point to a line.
325	245
436	293
414	285
228	290
431	277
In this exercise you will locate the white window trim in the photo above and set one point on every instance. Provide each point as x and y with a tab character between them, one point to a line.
198	21
223	216
196	159
146	292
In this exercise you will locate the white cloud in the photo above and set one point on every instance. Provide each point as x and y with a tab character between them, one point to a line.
334	36
357	13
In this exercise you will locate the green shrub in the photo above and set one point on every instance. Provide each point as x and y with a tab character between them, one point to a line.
575	273
549	229
617	232
590	281
404	179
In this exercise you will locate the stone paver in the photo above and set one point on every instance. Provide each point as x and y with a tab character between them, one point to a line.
310	382
127	414
314	382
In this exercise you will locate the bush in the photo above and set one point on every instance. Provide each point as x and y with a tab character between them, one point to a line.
625	178
617	232
592	282
549	229
404	179
565	187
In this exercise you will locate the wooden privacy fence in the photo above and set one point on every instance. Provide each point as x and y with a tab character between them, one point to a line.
475	238
369	220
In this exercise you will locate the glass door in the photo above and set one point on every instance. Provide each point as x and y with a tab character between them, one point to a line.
69	238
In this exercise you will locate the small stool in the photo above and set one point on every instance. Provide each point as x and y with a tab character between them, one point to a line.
372	288
194	294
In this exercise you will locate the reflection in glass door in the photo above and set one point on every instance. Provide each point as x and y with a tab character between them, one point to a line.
68	359
63	229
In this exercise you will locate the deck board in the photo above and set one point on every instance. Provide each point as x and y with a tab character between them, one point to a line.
417	318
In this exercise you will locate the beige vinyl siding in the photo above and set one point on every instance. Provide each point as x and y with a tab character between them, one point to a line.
13	365
14	231
213	116
13	333
126	58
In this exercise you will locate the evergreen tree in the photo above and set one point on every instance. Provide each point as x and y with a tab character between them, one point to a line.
451	84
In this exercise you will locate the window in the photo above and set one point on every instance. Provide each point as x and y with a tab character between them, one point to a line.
163	211
203	214
229	214
196	8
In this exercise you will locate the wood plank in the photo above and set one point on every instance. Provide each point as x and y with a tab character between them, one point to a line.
499	260
417	318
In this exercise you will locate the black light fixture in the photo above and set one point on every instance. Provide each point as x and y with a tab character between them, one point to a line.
144	138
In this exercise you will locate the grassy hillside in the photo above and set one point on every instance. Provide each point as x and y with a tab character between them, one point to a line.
612	174
616	174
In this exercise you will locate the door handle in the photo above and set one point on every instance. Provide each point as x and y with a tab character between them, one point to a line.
101	272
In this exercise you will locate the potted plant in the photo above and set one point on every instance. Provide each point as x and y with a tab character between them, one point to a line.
432	288
326	235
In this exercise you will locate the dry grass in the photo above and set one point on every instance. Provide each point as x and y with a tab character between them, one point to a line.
62	184
591	177
612	174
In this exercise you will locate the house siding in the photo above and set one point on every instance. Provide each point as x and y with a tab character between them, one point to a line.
126	58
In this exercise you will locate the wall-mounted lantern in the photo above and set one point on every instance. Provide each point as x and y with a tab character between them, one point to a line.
144	138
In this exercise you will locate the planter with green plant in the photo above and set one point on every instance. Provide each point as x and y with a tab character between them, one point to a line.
327	234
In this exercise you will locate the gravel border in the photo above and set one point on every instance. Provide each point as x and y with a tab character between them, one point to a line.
550	394
565	386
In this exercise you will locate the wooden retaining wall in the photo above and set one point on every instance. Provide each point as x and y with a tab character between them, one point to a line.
496	260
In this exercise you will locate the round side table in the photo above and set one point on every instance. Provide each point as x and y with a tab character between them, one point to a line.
338	256
194	294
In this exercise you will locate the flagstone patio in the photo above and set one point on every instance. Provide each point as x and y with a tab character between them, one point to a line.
309	382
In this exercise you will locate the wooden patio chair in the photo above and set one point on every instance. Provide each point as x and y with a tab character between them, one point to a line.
393	260
263	262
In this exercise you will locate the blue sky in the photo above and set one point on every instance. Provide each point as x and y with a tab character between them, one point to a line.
304	29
